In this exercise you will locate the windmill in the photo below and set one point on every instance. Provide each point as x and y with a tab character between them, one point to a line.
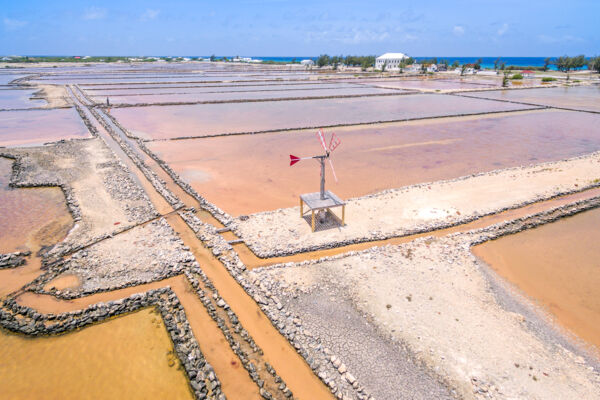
323	200
333	144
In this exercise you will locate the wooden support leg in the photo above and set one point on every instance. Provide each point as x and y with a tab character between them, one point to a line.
343	214
301	208
313	220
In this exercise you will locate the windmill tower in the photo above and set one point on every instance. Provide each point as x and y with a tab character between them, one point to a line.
323	201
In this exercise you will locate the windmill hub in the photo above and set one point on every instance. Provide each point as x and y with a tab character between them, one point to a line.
323	201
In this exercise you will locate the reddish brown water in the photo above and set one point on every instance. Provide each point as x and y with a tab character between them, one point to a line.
577	97
558	265
30	218
129	357
36	127
161	122
230	171
228	96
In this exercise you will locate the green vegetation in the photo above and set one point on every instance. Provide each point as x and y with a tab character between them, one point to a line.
566	63
594	63
547	62
496	63
505	79
548	79
364	62
516	76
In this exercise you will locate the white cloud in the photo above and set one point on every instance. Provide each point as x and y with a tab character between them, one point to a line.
503	29
560	39
149	14
458	30
12	24
94	13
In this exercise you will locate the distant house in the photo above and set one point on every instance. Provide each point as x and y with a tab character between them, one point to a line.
414	68
307	63
390	60
432	68
528	73
442	67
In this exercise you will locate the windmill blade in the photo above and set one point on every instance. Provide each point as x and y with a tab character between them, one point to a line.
294	159
332	170
334	142
321	139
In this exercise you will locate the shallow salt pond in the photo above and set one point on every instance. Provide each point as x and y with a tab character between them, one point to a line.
433	84
229	171
19	98
241	96
30	217
129	357
221	88
163	122
558	266
36	127
585	98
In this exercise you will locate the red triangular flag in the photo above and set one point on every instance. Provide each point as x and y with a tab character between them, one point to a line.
293	160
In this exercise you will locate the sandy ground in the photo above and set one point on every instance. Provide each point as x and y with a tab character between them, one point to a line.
432	296
145	253
418	208
55	95
103	191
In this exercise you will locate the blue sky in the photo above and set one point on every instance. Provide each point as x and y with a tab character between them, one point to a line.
301	27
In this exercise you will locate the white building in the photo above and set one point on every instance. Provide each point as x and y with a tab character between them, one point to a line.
307	63
390	60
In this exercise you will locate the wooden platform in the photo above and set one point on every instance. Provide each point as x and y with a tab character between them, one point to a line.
314	203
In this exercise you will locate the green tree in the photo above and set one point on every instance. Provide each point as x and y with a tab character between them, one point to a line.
323	60
547	62
455	64
383	67
463	68
578	61
496	62
505	79
594	64
566	63
477	64
502	66
423	68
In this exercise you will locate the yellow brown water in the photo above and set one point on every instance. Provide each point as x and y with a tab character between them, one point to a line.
67	281
29	219
236	383
252	261
129	357
558	265
230	171
277	351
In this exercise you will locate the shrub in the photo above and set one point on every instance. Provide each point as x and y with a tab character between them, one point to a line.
517	76
548	79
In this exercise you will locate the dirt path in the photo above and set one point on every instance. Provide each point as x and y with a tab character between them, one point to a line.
277	351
